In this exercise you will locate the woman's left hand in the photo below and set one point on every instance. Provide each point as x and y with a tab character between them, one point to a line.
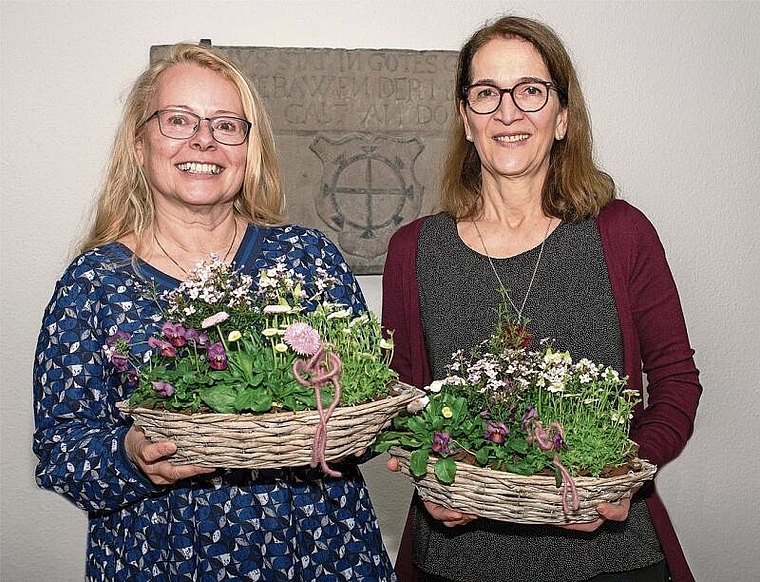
617	511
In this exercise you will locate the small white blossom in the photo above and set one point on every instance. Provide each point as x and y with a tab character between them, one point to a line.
435	386
277	309
418	404
342	313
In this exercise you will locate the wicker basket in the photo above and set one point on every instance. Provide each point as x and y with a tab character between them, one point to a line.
260	441
530	500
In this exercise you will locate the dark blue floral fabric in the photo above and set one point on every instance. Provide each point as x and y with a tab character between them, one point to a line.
269	525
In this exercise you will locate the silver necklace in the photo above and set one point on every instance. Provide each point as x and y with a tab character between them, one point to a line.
519	312
180	267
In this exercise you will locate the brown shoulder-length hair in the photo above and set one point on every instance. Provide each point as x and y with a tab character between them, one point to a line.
575	188
125	206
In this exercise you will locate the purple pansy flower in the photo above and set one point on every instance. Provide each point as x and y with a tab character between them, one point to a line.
558	442
175	333
217	356
496	432
120	361
530	414
164	348
163	388
441	443
118	337
199	338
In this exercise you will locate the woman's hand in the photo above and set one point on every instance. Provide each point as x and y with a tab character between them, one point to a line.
151	459
448	517
617	511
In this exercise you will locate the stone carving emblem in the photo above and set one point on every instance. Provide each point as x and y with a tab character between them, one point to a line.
368	189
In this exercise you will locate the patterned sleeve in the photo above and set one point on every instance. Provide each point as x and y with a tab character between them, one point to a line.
348	292
79	432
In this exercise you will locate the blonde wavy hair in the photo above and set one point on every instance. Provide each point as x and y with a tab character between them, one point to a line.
125	206
575	189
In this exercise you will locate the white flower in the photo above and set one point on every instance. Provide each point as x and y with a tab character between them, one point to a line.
435	386
275	309
386	344
611	375
455	380
418	404
340	314
359	320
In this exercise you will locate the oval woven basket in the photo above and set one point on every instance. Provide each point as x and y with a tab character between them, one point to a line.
271	440
530	500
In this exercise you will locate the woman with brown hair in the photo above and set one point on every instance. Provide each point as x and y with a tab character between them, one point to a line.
527	215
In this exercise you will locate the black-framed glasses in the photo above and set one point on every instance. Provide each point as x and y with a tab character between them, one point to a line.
528	96
181	124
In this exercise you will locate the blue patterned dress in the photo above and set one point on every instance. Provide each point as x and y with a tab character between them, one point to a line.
271	525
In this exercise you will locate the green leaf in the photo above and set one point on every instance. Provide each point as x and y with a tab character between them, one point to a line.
520	446
242	364
254	399
418	462
459	407
481	457
382	445
418	425
411	441
445	470
220	399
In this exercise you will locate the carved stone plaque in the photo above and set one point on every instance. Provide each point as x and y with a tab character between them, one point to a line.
361	136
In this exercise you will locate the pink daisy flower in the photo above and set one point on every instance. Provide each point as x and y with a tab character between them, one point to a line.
215	319
303	338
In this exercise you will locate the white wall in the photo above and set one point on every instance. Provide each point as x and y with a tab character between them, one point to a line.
673	92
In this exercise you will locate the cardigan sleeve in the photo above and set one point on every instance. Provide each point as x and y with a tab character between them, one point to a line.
401	309
648	302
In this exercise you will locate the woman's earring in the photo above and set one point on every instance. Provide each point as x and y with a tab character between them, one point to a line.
468	137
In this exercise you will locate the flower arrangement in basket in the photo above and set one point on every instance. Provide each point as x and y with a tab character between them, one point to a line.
520	433
251	376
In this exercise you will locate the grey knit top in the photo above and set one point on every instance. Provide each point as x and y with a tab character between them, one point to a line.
571	302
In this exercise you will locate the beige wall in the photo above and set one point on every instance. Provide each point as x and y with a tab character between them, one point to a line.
673	93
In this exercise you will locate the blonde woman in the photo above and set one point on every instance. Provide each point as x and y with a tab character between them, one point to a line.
193	172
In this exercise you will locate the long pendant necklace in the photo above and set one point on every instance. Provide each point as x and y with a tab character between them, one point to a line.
180	267
519	312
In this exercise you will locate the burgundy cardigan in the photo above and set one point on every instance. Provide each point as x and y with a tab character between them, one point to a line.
654	341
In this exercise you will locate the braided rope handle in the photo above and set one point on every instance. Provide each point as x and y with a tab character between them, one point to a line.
322	368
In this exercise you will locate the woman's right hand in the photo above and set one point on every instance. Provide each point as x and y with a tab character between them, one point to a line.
447	517
151	459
